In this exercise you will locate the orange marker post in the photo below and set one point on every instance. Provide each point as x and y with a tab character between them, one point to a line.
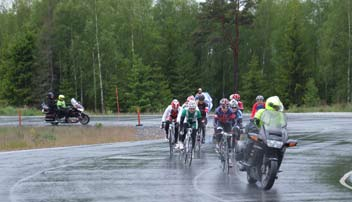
139	117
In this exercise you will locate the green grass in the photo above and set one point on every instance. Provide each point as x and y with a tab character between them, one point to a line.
17	138
322	108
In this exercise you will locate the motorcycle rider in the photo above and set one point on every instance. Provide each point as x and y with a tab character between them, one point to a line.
203	108
199	92
273	104
259	104
190	117
51	102
62	109
170	114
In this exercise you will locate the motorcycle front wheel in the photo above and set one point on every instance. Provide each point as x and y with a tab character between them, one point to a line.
269	174
84	120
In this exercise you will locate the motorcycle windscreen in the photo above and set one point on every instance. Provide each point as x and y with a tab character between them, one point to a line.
275	123
75	104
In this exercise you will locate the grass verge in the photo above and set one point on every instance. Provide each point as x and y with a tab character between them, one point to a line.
18	138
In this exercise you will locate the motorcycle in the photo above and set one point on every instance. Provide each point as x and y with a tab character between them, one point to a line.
75	114
268	148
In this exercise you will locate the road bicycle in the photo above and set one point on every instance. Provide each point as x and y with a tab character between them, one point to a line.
188	149
225	148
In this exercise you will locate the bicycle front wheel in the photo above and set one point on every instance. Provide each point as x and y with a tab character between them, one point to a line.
171	140
188	151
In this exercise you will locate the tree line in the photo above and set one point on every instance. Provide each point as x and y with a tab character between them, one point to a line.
152	51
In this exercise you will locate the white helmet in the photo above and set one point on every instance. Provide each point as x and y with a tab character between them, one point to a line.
233	103
192	104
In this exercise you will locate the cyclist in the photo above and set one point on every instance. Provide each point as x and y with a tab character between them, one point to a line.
61	106
190	117
259	104
237	97
238	114
170	114
224	118
203	108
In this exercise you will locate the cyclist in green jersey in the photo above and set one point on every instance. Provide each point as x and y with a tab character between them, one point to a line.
190	117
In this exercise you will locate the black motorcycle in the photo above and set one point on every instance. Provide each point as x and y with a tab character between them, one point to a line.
75	114
266	151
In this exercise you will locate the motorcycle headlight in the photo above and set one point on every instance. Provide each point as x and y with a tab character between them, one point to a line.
274	144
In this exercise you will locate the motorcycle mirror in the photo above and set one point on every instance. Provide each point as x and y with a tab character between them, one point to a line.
291	143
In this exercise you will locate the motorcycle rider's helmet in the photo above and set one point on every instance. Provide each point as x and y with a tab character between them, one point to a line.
233	104
259	98
224	103
61	97
50	95
201	97
192	105
273	103
175	104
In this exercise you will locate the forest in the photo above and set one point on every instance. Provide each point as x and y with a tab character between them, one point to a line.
151	51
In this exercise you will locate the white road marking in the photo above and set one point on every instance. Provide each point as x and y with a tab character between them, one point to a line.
196	187
344	178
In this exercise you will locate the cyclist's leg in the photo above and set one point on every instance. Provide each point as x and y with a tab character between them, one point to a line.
176	132
227	129
167	125
203	130
193	135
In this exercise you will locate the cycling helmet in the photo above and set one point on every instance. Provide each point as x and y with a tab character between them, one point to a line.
236	96
192	105
61	97
224	102
231	97
200	90
50	95
233	103
259	98
201	97
175	104
191	97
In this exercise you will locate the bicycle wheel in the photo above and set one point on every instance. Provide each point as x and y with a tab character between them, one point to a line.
188	150
222	154
226	157
198	142
171	139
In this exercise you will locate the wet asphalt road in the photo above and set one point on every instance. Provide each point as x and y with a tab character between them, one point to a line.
143	171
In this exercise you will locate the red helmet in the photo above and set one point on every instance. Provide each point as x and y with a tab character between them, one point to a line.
191	97
236	96
175	104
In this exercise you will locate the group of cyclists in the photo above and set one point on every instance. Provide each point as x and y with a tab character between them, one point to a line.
227	117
